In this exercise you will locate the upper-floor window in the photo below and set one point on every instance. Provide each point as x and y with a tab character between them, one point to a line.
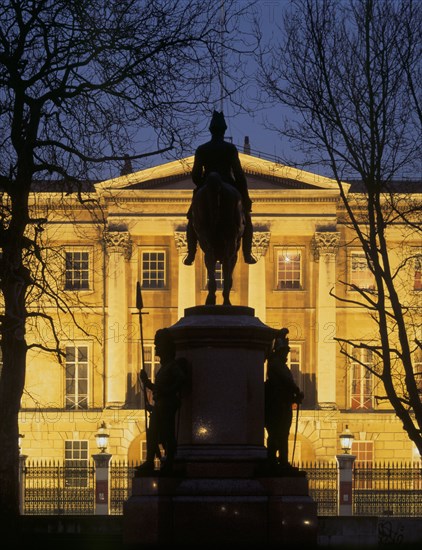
360	274
361	379
289	269
153	269
417	272
76	377
77	270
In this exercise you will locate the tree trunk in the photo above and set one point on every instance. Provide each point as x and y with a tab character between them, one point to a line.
11	388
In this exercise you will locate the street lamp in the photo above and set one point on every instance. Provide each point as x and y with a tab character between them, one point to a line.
346	440
101	437
102	472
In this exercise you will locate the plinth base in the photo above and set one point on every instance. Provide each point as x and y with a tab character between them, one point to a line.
236	511
222	491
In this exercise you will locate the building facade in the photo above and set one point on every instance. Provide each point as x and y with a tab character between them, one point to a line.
134	230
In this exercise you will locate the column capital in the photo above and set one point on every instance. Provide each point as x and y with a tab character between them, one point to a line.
325	243
260	242
327	406
181	242
118	242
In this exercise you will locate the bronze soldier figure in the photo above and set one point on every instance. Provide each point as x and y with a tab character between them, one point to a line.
166	395
281	392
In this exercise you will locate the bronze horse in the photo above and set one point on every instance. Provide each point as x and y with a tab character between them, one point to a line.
218	221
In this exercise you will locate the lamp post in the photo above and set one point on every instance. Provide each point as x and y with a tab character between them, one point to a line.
345	474
21	474
346	440
102	481
101	437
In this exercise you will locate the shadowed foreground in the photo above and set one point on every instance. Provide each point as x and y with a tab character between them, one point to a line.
106	533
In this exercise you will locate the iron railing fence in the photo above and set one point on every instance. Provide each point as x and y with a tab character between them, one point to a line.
378	490
121	474
387	490
53	488
322	483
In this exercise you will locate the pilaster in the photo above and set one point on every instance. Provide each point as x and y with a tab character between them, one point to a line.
326	244
186	285
119	248
257	284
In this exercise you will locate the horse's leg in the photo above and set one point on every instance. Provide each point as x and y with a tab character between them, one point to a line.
212	285
228	267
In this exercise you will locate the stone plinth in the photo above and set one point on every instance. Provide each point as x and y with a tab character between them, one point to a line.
222	411
220	491
206	511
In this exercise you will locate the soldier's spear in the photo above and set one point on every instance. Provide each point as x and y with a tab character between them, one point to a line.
139	307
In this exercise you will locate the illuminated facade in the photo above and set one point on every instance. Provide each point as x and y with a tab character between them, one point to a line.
304	250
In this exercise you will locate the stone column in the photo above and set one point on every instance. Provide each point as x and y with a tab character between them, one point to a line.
186	288
325	248
119	252
257	286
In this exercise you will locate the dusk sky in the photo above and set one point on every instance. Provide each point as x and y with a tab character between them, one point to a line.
264	142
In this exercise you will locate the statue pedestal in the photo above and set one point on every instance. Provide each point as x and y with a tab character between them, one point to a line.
220	491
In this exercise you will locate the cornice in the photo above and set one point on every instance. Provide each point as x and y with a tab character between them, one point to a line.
255	200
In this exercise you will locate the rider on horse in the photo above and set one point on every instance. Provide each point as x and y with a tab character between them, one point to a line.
222	157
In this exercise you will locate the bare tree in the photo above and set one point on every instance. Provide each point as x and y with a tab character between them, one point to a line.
82	86
351	71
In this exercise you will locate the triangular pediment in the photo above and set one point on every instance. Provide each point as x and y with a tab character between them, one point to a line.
261	174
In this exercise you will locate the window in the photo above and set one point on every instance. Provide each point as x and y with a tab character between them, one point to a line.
302	379
76	463
76	377
153	270
151	361
289	270
417	272
361	387
151	365
364	453
360	274
218	276
293	362
77	270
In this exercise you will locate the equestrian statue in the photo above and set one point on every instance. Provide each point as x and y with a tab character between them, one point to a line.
219	217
